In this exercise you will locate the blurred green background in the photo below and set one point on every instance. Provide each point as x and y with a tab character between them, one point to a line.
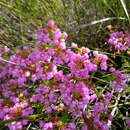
19	19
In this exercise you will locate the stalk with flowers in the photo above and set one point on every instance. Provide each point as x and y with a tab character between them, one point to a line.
58	86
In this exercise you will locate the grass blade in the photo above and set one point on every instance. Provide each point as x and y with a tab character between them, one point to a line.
125	9
11	8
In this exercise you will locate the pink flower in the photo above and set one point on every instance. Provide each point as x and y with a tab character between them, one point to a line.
51	23
102	59
128	122
73	45
46	126
64	35
57	34
84	127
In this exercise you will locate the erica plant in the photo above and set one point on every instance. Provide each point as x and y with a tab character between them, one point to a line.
59	86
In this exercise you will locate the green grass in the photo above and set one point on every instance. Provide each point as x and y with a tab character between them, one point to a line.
20	19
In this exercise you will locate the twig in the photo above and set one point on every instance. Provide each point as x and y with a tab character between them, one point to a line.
13	63
114	109
29	126
10	62
98	21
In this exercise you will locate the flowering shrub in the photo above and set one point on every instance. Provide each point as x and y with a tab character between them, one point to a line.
57	84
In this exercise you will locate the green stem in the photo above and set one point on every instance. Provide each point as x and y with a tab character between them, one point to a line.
101	80
30	117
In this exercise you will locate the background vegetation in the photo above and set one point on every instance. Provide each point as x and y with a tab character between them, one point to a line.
20	18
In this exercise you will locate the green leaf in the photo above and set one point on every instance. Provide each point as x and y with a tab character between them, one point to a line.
3	20
63	116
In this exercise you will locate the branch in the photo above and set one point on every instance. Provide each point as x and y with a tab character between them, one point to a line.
98	21
13	63
10	62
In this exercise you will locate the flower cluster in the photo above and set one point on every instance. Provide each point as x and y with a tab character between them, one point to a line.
56	79
19	109
119	82
119	40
